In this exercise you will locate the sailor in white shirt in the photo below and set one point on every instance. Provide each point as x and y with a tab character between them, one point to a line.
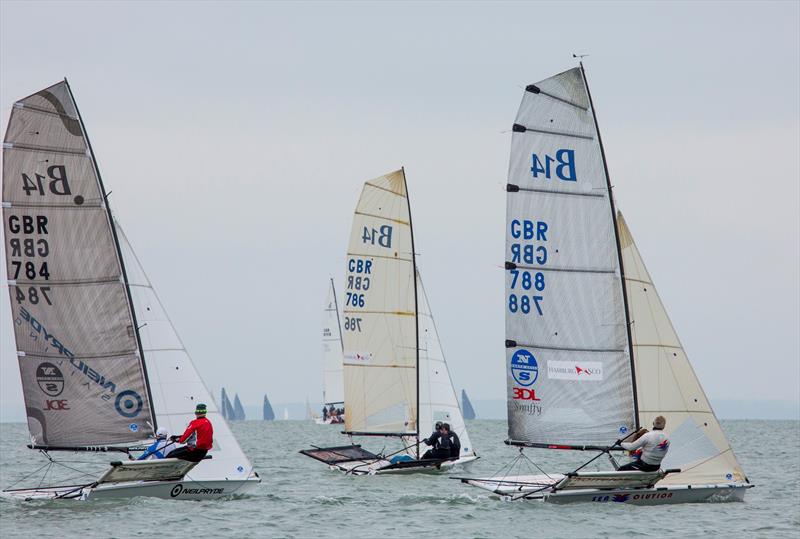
654	446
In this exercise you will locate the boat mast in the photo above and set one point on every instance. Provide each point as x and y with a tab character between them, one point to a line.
619	253
416	303
142	363
338	322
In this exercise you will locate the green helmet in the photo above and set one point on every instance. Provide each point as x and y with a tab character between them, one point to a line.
201	409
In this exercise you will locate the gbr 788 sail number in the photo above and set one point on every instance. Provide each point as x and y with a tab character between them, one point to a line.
528	248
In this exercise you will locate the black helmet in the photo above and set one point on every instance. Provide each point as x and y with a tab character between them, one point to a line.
438	425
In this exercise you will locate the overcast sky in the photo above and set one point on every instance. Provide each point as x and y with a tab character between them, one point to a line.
236	138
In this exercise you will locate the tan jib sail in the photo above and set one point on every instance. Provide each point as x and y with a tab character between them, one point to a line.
83	372
667	385
379	322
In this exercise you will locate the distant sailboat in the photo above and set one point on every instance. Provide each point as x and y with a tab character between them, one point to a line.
332	367
466	406
238	409
226	409
266	408
396	381
591	355
285	414
101	364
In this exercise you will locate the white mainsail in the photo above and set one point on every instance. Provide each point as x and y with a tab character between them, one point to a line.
332	350
437	398
175	383
667	385
568	361
379	307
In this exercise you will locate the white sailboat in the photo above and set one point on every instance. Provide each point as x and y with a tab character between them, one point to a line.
396	381
101	364
591	354
332	367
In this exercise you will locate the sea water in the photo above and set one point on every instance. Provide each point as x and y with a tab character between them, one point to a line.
300	497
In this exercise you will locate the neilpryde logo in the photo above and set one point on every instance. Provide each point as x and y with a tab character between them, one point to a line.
524	368
176	490
50	379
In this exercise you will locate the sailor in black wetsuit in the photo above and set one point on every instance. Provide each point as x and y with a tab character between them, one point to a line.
433	440
455	443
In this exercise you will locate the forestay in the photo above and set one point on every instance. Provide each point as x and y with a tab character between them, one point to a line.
667	384
569	373
83	378
332	349
176	385
379	313
437	398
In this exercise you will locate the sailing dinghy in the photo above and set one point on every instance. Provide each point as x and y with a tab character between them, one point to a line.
591	354
332	368
396	381
101	364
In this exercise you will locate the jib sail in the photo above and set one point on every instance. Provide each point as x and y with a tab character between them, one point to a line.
667	384
379	321
83	376
569	373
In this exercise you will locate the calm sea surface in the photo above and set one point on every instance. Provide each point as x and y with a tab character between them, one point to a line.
299	497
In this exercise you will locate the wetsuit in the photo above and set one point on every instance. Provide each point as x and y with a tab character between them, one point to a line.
455	449
199	434
654	446
433	440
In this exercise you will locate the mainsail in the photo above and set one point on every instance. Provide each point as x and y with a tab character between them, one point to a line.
569	370
266	409
225	406
238	409
83	372
380	323
332	348
466	406
667	384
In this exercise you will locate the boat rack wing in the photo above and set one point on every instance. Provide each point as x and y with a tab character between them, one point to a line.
610	480
147	470
339	454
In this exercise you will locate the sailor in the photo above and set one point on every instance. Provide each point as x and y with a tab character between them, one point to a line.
198	437
324	413
433	440
455	443
654	445
156	450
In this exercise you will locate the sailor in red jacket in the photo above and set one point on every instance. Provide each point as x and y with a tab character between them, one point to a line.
197	437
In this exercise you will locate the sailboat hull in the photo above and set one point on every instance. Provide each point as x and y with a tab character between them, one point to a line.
167	490
383	467
536	488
